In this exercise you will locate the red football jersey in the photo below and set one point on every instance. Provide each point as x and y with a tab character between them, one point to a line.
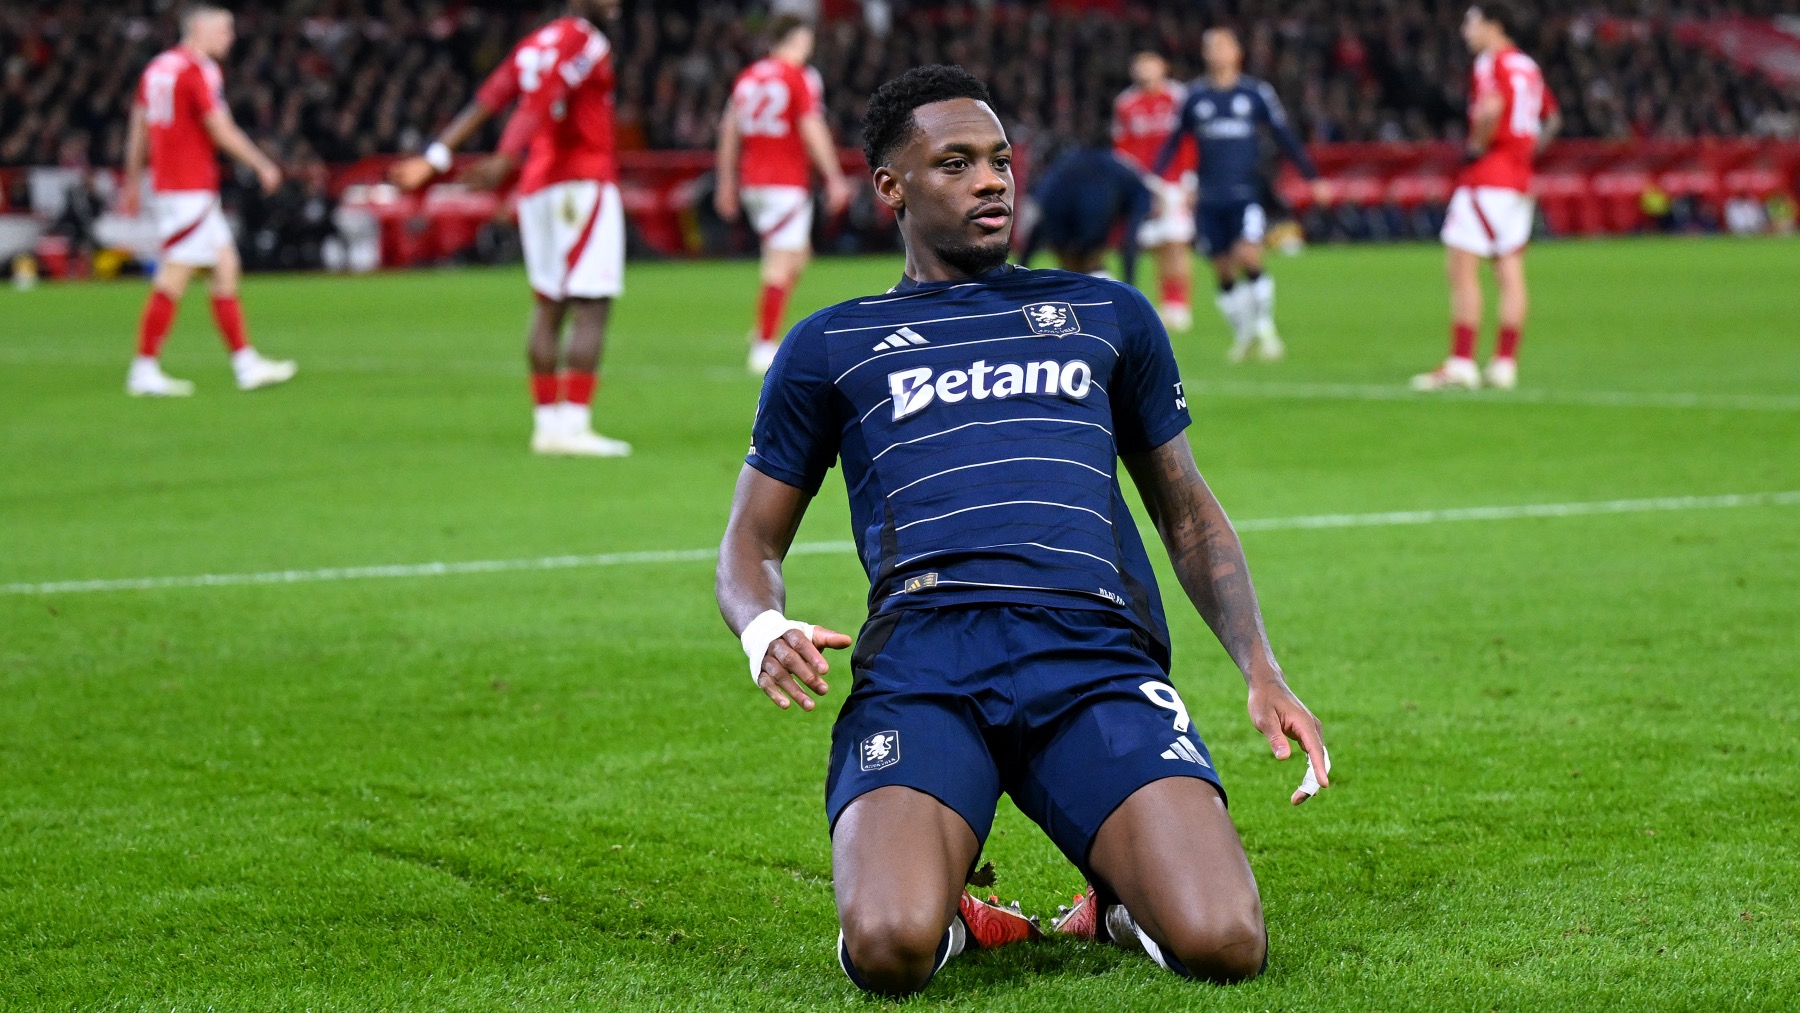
562	77
1143	120
1525	102
179	88
768	99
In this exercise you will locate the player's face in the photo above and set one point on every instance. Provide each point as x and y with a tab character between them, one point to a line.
954	179
213	34
802	41
602	12
1148	71
1221	51
1475	30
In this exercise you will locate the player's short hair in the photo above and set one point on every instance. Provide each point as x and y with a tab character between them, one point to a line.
1502	14
782	26
189	13
889	122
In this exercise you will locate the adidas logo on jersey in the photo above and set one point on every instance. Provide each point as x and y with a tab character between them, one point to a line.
914	389
1182	749
905	337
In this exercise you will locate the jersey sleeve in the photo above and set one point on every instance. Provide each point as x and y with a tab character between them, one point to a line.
1148	403
1276	117
501	86
811	95
799	420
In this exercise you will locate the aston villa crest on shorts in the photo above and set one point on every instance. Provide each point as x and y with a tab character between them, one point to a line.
881	750
1052	319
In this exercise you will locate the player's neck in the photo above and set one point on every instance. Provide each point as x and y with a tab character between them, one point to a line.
928	267
1224	79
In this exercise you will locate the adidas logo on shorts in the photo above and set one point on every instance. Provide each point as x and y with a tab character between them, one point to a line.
1182	749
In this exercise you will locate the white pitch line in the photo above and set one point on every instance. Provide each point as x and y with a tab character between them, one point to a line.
1311	522
1277	389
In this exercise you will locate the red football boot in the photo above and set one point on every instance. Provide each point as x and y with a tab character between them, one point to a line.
1082	921
990	925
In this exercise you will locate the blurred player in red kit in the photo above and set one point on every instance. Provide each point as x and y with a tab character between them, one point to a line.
1144	115
571	219
179	122
1512	117
772	135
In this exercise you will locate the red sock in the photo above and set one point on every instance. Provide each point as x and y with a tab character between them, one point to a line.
543	389
159	313
228	313
774	302
1175	291
1462	341
1509	343
578	388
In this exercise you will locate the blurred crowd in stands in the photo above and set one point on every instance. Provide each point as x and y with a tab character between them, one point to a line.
328	82
335	80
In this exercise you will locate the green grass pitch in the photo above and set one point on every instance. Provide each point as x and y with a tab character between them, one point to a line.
1565	746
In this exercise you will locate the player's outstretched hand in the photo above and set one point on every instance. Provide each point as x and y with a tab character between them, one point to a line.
1280	716
1322	194
269	177
725	202
837	195
410	174
130	203
793	661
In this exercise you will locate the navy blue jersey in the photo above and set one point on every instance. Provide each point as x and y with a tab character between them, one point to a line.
979	423
1224	122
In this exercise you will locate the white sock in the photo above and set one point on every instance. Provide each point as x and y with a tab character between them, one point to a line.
146	364
1124	931
243	358
547	418
959	938
1262	290
577	418
1231	307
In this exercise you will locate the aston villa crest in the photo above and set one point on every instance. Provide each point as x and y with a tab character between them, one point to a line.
1052	319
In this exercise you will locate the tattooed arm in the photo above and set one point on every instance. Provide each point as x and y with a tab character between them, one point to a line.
1209	561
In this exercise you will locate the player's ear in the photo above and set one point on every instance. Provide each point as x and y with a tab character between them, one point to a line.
889	190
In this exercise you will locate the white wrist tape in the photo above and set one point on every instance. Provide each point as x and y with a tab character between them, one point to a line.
764	630
438	156
1309	785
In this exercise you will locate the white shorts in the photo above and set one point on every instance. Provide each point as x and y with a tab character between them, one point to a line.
781	215
191	227
1488	221
574	238
1176	222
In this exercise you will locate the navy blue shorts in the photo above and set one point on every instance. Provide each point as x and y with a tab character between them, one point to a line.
1220	226
1064	710
1077	229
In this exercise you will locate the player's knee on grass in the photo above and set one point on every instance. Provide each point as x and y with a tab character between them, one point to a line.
892	950
1220	946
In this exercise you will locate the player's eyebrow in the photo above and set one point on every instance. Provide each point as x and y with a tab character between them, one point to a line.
972	147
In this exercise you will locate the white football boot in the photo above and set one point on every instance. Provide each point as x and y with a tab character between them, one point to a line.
146	379
1269	347
1455	374
587	443
566	430
1176	318
1501	374
255	372
762	356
